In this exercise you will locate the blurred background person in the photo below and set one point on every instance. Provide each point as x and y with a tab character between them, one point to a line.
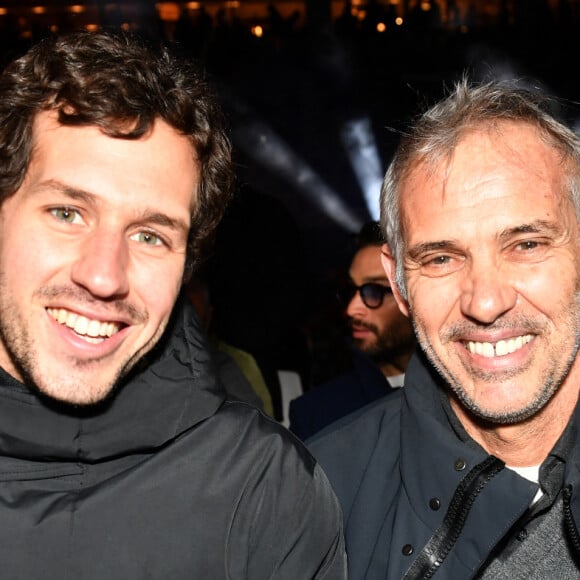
237	369
382	343
258	278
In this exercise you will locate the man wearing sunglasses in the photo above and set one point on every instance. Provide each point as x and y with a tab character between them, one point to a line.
382	340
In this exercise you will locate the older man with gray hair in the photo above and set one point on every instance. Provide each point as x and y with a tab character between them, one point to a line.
472	470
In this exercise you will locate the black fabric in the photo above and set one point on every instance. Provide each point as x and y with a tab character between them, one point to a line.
396	466
165	480
443	540
340	396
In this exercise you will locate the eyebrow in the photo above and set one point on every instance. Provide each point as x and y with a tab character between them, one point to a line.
69	191
162	219
150	216
426	247
535	227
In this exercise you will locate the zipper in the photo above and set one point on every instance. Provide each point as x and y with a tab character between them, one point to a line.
570	524
443	540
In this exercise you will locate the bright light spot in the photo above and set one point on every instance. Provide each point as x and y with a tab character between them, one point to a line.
92	27
39	9
257	31
3	11
381	27
399	21
260	142
358	140
193	5
76	9
54	28
425	6
168	11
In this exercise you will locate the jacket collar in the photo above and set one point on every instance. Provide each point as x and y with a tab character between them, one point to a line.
435	458
174	391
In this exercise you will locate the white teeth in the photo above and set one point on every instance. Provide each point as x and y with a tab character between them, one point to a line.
84	326
500	348
93	328
80	325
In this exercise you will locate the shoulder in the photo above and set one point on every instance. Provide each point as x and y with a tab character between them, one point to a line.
265	436
324	395
263	460
271	455
367	423
349	447
285	499
332	400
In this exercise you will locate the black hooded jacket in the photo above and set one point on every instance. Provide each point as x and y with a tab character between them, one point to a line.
167	480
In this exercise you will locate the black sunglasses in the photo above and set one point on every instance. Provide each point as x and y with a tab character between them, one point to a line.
371	293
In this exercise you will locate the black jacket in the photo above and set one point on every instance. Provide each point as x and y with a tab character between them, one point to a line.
165	481
340	396
418	500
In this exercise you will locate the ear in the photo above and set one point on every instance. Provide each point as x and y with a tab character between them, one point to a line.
388	262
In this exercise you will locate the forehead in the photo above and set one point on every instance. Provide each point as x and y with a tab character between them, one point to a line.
160	166
491	173
366	264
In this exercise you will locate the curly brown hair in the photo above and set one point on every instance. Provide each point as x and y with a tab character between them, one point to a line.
116	81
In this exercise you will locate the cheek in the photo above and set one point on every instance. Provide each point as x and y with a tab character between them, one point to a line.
432	301
550	287
26	261
158	288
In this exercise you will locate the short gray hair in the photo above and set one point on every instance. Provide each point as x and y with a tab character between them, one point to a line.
435	134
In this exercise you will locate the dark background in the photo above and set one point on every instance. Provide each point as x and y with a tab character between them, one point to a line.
288	94
322	63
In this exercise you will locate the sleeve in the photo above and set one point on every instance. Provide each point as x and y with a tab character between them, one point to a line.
288	525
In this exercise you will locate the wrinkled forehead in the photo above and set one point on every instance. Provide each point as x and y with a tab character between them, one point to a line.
513	164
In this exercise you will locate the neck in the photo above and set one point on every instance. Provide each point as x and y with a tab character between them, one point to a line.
396	365
526	443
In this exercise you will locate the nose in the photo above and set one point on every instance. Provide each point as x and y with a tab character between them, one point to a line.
487	293
102	264
356	307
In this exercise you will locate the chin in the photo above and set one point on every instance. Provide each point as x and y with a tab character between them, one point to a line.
71	395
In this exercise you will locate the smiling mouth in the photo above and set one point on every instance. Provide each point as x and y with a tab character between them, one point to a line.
90	329
499	348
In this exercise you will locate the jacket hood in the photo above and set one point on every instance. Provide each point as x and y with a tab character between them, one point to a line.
172	390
